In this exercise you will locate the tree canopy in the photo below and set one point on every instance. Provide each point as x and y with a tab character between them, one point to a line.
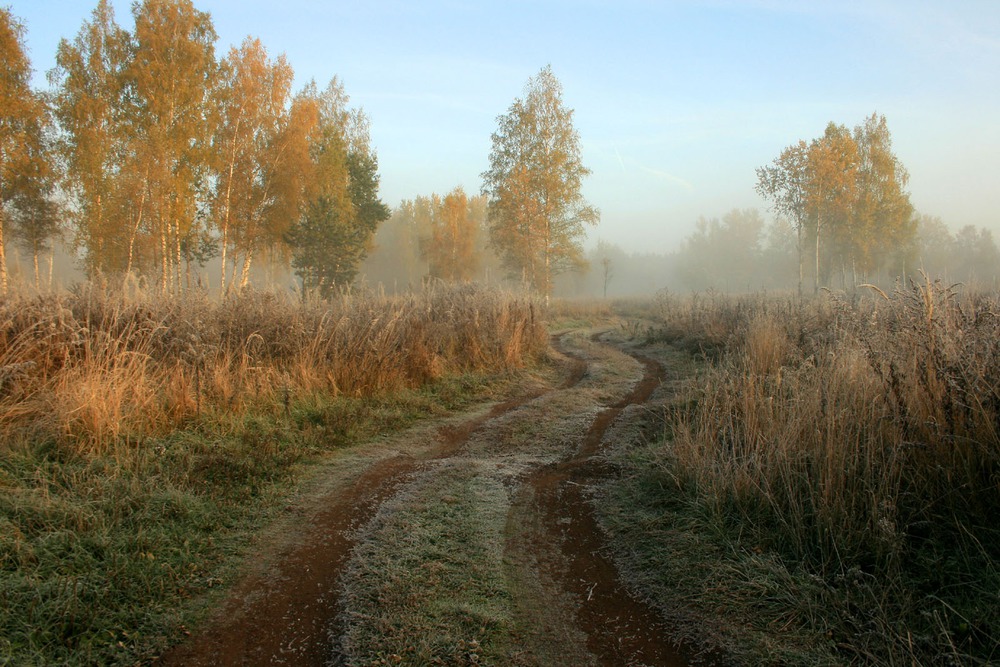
450	246
24	167
151	155
97	144
846	192
341	210
251	100
537	213
172	156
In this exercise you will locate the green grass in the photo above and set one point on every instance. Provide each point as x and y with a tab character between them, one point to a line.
718	592
725	590
107	559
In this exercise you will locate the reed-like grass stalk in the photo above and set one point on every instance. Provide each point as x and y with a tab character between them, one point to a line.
93	368
856	437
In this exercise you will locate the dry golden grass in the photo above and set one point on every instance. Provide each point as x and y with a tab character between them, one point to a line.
857	438
96	369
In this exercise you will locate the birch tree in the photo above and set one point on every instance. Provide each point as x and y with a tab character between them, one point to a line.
830	193
251	99
537	213
883	221
97	143
22	117
34	211
785	182
451	245
847	191
171	74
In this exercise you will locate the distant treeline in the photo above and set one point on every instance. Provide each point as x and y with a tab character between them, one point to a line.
843	217
742	253
738	253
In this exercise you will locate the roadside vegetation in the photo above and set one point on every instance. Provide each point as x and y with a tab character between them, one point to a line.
825	490
144	437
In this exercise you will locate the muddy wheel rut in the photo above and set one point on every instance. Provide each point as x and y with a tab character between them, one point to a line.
287	612
620	630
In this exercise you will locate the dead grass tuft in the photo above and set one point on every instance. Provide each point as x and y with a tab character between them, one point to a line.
93	369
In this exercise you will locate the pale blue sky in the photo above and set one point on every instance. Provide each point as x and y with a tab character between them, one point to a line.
677	102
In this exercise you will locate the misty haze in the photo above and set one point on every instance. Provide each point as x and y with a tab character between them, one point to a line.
531	333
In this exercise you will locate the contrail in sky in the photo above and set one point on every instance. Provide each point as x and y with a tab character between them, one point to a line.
676	180
669	177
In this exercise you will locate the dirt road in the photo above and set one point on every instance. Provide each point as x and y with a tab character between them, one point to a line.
467	541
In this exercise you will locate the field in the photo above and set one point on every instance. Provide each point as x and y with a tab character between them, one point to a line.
825	490
146	439
811	482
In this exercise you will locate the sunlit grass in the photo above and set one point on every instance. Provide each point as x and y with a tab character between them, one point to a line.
94	369
144	440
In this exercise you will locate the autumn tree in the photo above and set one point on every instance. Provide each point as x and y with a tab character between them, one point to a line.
35	212
882	223
135	114
830	191
451	245
253	145
537	213
96	142
23	158
171	74
811	185
341	210
846	192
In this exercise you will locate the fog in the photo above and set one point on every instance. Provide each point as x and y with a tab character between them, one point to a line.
676	105
741	252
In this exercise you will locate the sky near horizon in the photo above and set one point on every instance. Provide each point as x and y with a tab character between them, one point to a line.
677	102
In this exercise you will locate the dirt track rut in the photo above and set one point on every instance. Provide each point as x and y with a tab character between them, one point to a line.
620	630
569	601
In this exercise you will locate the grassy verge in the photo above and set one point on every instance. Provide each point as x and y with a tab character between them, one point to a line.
145	440
722	596
825	491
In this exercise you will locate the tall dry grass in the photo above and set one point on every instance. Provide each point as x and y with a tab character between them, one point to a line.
96	368
859	438
144	439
